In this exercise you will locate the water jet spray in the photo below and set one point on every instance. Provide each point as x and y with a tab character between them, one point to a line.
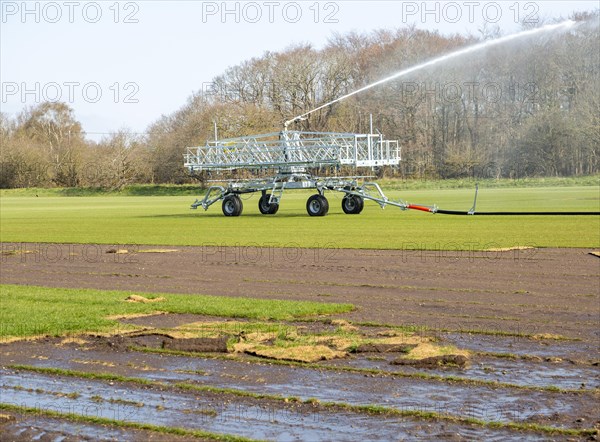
444	58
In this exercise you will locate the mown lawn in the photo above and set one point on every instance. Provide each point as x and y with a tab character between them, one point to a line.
167	220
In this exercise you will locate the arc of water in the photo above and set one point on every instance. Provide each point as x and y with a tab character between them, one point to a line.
441	59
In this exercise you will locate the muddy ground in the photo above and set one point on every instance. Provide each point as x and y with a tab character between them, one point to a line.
490	302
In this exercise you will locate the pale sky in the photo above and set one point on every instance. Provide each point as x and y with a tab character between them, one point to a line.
121	65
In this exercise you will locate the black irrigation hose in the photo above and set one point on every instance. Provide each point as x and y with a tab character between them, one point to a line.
473	212
457	212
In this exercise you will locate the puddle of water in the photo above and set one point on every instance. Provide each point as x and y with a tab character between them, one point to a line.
401	393
523	346
244	419
502	404
188	411
513	371
404	394
561	375
41	428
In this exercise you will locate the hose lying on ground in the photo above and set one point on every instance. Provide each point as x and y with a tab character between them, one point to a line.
460	212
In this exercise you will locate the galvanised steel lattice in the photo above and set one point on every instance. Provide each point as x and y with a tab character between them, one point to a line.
294	148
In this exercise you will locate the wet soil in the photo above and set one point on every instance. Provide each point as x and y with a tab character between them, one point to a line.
27	427
487	402
221	413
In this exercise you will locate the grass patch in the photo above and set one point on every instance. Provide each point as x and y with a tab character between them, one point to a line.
167	220
427	350
280	341
73	395
300	353
34	311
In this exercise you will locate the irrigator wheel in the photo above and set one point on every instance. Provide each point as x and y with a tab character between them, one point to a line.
352	204
232	205
317	205
266	208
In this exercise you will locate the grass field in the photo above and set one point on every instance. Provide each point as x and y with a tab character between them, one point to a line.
388	183
31	310
167	220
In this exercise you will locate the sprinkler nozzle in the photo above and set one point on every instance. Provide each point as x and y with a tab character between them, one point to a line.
293	120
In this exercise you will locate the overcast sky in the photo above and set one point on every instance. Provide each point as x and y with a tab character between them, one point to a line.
121	65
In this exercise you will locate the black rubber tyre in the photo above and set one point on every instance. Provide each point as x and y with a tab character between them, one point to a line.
266	208
317	205
232	205
352	204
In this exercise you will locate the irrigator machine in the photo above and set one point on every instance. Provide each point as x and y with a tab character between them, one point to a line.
290	154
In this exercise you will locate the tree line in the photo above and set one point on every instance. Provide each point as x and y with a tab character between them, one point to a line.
529	108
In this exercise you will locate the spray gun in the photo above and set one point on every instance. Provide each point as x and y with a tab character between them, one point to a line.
293	120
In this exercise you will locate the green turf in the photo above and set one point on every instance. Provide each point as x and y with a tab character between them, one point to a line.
469	183
167	220
32	310
389	183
